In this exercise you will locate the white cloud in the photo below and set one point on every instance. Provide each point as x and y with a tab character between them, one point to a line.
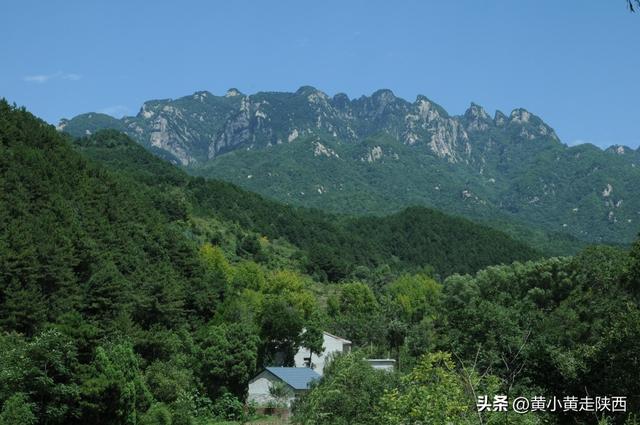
71	77
43	78
117	111
37	78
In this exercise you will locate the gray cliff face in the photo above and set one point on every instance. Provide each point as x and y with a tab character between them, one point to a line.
198	128
237	130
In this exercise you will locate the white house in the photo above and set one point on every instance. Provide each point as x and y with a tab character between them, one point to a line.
331	344
296	379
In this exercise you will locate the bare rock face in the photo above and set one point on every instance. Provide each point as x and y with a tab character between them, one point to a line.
477	118
233	93
531	126
237	130
321	150
428	124
166	129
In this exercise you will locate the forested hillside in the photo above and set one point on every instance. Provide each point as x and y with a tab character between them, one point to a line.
131	293
334	246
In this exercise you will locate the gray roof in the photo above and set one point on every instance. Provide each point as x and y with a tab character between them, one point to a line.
346	341
299	378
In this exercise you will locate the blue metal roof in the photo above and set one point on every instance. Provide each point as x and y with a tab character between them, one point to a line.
297	377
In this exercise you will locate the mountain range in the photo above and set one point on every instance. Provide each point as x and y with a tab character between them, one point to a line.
379	154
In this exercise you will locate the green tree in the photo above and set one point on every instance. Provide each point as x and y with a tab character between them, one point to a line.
107	293
634	270
227	358
281	393
23	309
167	380
422	337
415	297
18	410
211	288
356	315
396	334
435	393
158	414
347	394
312	337
431	393
51	376
281	326
228	407
114	390
327	263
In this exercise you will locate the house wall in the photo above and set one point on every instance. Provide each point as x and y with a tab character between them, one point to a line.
331	345
259	390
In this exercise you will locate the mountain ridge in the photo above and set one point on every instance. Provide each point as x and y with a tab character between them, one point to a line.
373	107
495	169
499	115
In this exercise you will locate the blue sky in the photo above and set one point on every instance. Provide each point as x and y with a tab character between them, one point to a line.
573	62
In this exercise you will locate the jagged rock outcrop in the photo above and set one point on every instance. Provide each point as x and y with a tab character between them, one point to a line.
200	127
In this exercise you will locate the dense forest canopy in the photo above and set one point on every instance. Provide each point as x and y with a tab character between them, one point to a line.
131	293
333	244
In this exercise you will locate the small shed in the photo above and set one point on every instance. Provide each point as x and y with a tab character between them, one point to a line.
388	365
296	379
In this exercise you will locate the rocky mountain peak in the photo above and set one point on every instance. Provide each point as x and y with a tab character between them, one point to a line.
233	92
619	149
313	95
477	118
425	110
499	119
146	111
383	96
476	111
341	101
520	115
307	90
531	126
62	124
